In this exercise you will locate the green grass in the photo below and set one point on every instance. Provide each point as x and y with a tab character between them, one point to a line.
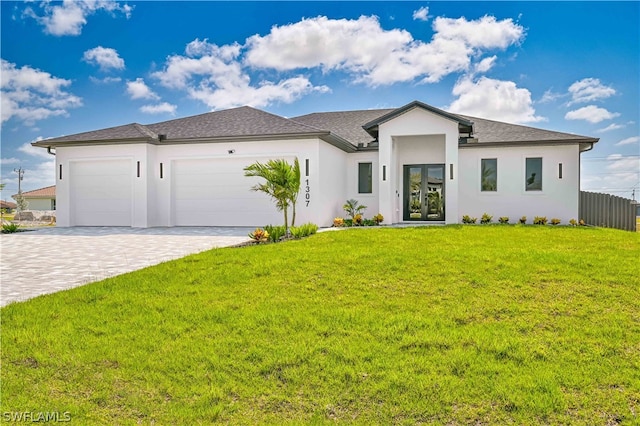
442	325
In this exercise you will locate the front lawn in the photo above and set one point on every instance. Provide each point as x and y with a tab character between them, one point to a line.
445	325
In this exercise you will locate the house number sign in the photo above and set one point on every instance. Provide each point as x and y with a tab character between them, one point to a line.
307	192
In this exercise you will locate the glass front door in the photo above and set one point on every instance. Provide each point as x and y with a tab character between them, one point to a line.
424	192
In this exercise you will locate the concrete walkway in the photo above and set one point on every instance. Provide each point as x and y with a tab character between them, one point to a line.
53	259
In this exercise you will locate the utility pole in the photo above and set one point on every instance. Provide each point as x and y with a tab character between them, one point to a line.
20	172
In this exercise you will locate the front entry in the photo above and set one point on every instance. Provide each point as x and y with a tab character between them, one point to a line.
424	192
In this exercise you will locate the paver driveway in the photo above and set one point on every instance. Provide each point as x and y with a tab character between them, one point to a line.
52	259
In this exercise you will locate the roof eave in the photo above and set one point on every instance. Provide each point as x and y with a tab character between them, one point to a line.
586	142
416	104
55	144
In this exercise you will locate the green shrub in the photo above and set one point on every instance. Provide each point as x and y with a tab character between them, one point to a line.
540	220
555	221
523	220
303	230
276	233
468	219
353	208
10	228
503	219
348	222
486	218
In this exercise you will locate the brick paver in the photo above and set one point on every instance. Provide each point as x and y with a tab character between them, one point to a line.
53	259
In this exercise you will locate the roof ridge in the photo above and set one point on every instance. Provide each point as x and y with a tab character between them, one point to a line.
144	130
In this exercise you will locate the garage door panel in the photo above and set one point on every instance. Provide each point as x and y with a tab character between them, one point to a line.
101	192
215	192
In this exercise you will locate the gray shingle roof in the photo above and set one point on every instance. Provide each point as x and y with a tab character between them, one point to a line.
126	132
490	131
235	122
243	121
346	124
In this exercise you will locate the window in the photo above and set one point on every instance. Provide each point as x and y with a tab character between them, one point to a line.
489	174
365	178
533	174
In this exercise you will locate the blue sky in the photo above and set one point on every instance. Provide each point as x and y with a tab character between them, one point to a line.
69	67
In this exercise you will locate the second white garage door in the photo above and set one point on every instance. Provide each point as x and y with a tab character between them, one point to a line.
101	192
215	192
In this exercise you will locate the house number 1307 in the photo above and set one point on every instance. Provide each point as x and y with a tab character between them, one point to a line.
307	192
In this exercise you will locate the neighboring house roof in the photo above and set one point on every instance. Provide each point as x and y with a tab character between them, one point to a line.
8	205
48	192
344	129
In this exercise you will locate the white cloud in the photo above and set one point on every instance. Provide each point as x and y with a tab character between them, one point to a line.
610	127
29	94
486	64
106	80
213	75
104	57
161	108
139	90
550	96
629	141
588	90
493	99
421	14
376	56
591	113
33	151
619	162
7	161
70	16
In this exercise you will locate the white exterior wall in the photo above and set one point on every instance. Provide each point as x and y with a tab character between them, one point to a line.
331	184
559	198
416	122
152	196
351	183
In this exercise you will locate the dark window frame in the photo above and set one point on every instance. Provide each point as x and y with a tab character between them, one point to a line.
366	186
489	186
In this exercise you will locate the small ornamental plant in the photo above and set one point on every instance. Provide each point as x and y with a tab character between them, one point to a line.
357	220
540	220
523	220
504	219
10	228
486	218
259	236
468	219
582	222
378	219
555	221
573	222
338	222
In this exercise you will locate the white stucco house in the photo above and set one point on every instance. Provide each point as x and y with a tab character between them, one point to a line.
415	163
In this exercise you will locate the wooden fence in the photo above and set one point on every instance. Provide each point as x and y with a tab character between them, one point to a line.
607	210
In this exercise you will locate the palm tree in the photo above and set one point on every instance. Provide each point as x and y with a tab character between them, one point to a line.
282	183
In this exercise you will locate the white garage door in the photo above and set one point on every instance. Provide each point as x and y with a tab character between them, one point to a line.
101	192
215	192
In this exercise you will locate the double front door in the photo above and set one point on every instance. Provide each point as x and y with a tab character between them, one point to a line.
424	192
